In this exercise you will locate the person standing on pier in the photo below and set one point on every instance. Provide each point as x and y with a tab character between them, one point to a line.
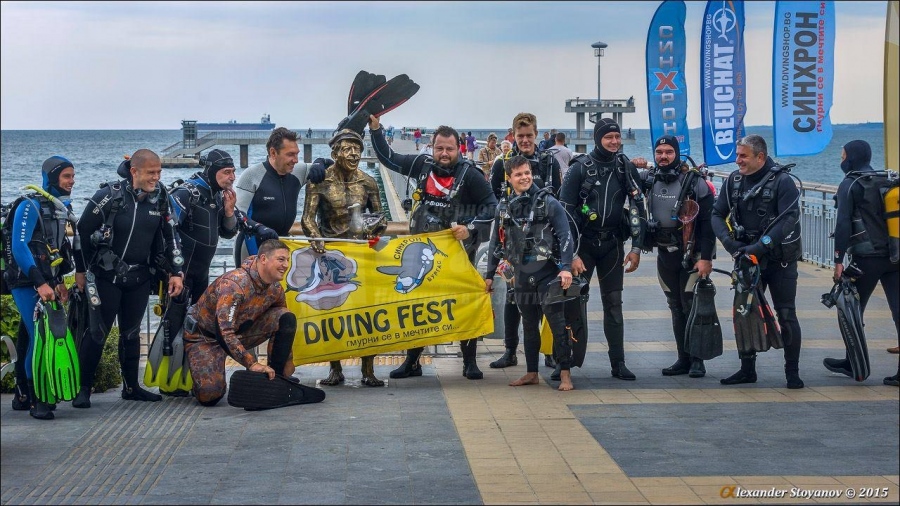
128	235
488	154
269	191
858	200
204	210
758	213
330	211
594	194
545	172
36	228
454	195
532	231
677	269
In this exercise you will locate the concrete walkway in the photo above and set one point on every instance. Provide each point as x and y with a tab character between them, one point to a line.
443	439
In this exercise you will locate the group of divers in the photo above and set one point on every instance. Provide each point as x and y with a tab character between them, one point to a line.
552	229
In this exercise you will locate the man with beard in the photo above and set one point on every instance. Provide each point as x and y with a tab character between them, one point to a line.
674	269
330	211
454	195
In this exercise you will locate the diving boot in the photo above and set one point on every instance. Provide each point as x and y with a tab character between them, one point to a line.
549	361
136	393
838	365
83	399
471	370
40	410
747	373
410	366
620	371
792	374
21	400
681	366
698	368
508	359
893	381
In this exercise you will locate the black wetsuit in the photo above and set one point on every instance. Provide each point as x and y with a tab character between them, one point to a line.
662	191
201	220
601	241
548	232
474	203
860	207
124	285
780	220
544	170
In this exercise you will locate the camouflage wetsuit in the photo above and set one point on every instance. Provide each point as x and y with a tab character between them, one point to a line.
238	312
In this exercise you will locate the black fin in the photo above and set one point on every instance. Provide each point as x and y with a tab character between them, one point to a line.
254	391
381	100
363	85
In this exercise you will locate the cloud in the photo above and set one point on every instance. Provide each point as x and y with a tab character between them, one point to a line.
130	65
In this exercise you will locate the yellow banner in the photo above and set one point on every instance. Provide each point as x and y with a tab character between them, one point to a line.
356	300
892	87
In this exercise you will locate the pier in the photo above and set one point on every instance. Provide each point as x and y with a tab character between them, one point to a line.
186	152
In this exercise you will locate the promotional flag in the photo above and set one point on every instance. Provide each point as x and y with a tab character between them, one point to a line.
354	300
802	76
666	85
723	98
891	88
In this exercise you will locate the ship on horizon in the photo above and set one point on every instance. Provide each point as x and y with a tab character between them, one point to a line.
265	123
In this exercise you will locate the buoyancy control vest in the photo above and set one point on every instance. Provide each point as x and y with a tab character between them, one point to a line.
762	201
434	200
526	235
633	221
200	214
48	244
874	215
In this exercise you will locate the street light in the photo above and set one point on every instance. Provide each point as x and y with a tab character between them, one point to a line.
598	52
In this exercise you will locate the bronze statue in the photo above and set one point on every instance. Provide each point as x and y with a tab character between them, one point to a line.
334	209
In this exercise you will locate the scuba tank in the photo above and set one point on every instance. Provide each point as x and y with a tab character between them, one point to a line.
892	217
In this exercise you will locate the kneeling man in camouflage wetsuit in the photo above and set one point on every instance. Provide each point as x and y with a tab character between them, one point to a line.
239	311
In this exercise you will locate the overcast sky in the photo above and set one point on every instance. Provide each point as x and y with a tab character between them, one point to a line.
148	65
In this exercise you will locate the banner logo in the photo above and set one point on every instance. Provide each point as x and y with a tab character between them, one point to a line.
722	68
416	262
323	280
666	86
802	76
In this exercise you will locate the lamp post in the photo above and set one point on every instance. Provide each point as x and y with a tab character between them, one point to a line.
598	52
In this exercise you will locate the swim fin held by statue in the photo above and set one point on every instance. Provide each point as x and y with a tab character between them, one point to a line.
372	94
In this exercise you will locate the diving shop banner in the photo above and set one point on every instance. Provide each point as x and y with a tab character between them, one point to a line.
802	76
356	300
723	95
666	85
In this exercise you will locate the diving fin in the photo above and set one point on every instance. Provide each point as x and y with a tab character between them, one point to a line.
577	321
62	356
381	100
845	298
40	368
255	391
703	333
363	85
78	315
177	381
157	362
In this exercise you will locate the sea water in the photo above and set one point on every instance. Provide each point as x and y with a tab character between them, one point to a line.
97	153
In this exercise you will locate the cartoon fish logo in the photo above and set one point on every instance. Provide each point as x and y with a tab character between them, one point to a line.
324	281
416	262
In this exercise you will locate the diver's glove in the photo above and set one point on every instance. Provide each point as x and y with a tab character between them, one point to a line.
264	233
757	249
317	170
